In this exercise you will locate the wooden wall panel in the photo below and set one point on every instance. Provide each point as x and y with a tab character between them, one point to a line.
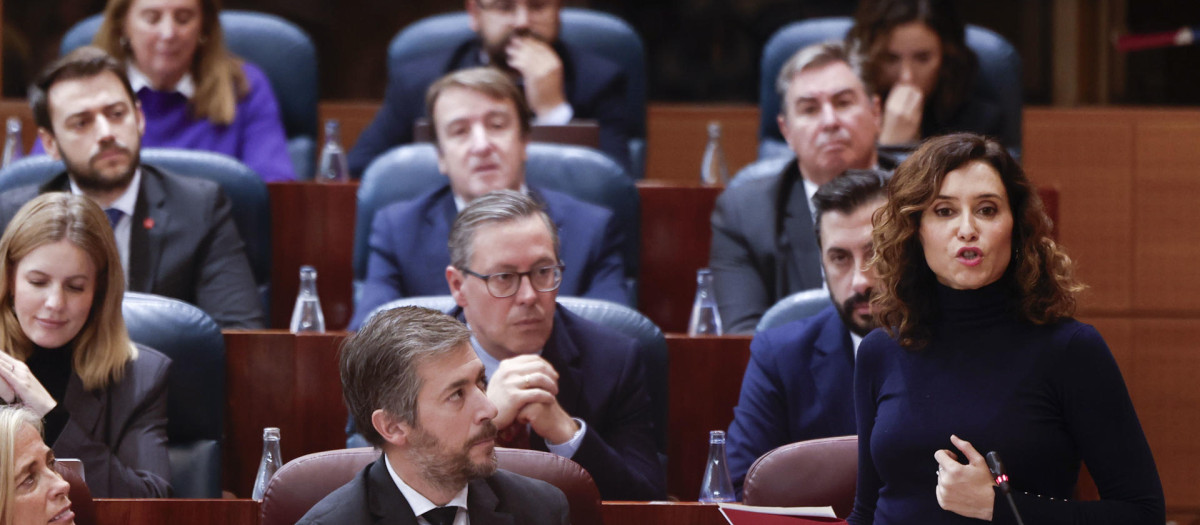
1088	157
676	135
1163	385
1167	241
176	511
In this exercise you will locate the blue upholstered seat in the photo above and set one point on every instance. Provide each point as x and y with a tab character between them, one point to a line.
195	386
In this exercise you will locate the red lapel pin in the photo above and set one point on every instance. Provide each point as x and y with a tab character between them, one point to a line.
148	223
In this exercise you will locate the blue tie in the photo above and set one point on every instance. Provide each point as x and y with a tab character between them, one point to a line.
114	216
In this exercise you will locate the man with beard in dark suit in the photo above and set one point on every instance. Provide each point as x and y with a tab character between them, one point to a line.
414	386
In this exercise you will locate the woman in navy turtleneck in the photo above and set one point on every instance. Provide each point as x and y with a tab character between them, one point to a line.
981	354
65	353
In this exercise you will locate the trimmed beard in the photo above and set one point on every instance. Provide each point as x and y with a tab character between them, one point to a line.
450	471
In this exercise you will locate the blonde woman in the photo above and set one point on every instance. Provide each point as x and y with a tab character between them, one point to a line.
31	491
67	356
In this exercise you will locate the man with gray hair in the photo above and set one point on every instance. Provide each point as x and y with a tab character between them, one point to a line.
763	248
416	389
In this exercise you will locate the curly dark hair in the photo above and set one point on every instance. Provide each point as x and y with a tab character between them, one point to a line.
873	25
1041	275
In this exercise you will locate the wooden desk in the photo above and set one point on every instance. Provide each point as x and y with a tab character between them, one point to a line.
245	512
705	378
676	234
278	379
176	512
313	223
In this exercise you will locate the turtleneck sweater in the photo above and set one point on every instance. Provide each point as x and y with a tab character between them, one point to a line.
1045	397
52	367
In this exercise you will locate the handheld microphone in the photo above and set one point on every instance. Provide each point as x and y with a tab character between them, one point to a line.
996	467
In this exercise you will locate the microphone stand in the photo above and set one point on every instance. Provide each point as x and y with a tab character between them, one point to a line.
997	470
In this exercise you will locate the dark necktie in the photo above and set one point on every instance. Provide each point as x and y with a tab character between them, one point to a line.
114	216
441	515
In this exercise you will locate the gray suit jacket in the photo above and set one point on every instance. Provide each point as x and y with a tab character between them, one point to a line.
120	433
183	244
503	498
763	247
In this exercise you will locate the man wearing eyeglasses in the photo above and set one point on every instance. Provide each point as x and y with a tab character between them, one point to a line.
560	383
480	122
519	37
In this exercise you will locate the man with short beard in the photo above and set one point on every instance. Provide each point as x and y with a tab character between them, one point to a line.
520	37
417	391
175	235
799	384
762	244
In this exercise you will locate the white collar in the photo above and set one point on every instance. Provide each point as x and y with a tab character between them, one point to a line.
420	504
460	203
127	201
139	80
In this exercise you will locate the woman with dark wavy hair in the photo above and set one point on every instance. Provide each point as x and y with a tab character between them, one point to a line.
979	353
915	57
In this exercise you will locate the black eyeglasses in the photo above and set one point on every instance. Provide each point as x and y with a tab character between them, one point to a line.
506	284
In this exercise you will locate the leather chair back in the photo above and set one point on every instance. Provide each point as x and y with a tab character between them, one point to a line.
305	481
405	172
245	190
602	33
621	319
81	496
195	386
999	75
814	473
793	307
767	167
284	52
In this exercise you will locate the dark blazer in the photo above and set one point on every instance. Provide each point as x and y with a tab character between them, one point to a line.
594	86
799	385
764	246
183	244
503	498
601	381
120	433
409	253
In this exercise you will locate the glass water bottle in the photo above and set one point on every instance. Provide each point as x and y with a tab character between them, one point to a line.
307	315
714	170
270	463
706	320
332	167
12	141
717	486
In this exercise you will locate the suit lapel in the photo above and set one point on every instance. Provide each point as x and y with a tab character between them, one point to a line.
60	182
833	360
384	500
147	232
801	243
85	407
560	351
483	506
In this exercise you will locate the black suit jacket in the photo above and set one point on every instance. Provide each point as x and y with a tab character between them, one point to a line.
594	86
120	433
503	498
183	244
601	381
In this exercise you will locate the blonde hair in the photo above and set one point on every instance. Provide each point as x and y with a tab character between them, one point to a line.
11	419
102	347
217	72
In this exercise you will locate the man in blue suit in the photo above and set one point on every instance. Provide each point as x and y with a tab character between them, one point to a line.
520	38
480	121
799	384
